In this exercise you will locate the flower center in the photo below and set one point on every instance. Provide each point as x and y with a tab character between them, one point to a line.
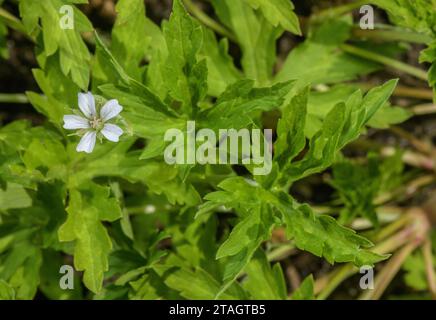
96	123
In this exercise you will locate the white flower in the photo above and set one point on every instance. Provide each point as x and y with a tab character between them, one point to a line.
94	122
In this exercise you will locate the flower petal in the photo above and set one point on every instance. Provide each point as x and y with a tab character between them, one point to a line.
112	132
87	104
72	122
110	110
87	142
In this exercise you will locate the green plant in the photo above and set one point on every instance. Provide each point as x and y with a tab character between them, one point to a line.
140	228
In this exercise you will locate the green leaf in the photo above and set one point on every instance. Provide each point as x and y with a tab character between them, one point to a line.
20	268
415	272
237	105
185	77
48	106
25	280
151	287
49	286
321	103
60	92
14	197
429	55
243	241
324	237
196	284
327	65
420	16
290	129
86	211
256	37
414	14
4	53
157	54
130	85
320	235
264	282
342	125
146	114
6	291
112	161
74	57
128	36
359	185
49	154
254	227
221	70
305	291
278	12
134	225
197	243
318	60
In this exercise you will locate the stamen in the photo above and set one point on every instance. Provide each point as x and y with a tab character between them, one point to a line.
96	123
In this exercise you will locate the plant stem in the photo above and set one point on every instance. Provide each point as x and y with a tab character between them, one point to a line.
424	109
336	279
339	10
294	277
366	54
14	23
386	215
411	237
411	187
421	146
414	231
388	272
394	242
328	284
391	34
392	228
11	21
13	98
418	93
414	159
429	268
280	252
402	91
208	21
